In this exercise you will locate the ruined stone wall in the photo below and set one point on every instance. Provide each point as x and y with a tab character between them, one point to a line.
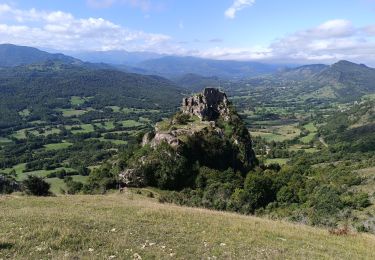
208	105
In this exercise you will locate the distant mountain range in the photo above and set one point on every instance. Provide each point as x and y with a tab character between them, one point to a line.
172	66
116	57
140	62
343	80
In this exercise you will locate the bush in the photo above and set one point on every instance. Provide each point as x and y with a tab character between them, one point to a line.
326	204
181	118
357	201
35	185
72	186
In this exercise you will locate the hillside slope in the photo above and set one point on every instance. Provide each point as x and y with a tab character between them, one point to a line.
127	226
352	130
43	86
13	55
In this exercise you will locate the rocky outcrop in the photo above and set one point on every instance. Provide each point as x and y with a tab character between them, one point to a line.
208	106
207	124
132	178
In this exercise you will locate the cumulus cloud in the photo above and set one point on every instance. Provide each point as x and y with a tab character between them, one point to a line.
237	6
63	31
328	42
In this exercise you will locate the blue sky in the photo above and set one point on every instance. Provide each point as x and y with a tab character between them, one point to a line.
301	31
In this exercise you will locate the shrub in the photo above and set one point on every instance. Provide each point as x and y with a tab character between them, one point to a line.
181	118
326	204
35	185
72	186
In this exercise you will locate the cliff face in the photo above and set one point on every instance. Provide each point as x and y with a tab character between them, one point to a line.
207	131
208	106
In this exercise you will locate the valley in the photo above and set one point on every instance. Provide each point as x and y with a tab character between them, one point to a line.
309	158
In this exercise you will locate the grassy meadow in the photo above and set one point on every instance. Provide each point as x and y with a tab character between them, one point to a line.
129	226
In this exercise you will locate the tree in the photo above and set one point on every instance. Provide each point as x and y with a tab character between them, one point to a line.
8	184
35	185
259	188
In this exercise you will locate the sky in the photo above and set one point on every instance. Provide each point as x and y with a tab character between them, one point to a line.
273	31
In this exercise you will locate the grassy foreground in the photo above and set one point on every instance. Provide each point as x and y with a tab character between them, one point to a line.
127	226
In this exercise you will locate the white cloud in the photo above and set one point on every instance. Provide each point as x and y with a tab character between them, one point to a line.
251	53
328	42
237	6
325	43
63	31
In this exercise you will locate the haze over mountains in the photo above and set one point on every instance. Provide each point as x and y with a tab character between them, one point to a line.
142	62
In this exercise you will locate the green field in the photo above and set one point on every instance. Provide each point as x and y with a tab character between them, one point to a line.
137	110
58	184
86	128
108	125
131	123
21	175
114	141
68	112
277	133
57	146
299	147
280	161
310	127
307	139
131	227
76	101
21	134
24	113
4	140
18	168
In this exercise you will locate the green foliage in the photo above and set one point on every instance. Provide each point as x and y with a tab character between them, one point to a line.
35	185
165	168
356	201
101	179
181	118
8	183
325	204
259	190
72	186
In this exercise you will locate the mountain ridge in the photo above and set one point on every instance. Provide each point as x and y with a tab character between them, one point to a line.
13	55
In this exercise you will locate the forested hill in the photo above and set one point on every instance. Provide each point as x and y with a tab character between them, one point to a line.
13	55
348	79
44	87
352	130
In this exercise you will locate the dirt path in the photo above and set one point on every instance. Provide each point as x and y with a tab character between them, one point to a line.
323	142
